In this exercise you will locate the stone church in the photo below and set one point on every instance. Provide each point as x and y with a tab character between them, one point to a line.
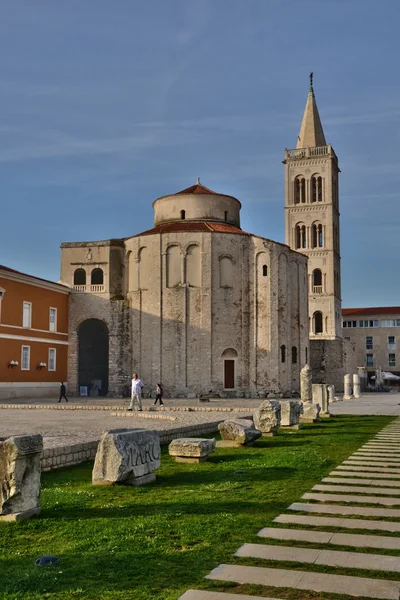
198	304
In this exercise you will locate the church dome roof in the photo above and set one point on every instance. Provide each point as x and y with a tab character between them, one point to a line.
197	203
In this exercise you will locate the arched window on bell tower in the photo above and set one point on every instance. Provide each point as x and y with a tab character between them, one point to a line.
317	236
299	190
316	188
301	238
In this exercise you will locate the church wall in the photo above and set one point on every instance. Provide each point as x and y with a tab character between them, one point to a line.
200	207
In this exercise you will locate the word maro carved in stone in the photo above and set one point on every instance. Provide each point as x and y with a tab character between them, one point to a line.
127	456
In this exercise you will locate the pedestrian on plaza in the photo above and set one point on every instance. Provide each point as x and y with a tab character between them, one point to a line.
136	392
63	391
159	394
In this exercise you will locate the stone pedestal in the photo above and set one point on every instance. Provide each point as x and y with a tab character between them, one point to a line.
267	418
127	456
20	471
290	414
331	394
356	386
191	450
347	387
306	384
237	432
320	396
310	413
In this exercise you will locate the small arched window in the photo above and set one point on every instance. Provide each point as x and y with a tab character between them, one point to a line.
80	277
283	353
265	270
316	188
301	239
294	355
318	322
317	236
183	215
317	281
299	190
226	215
97	277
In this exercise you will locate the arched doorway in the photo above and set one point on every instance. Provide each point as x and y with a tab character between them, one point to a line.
229	357
93	357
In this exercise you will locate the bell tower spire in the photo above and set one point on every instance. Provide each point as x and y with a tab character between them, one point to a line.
312	219
311	132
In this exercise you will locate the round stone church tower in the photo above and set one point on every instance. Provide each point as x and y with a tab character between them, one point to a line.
195	303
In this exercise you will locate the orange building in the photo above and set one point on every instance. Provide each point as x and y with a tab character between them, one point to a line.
33	335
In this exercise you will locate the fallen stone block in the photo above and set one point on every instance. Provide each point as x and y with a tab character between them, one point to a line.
127	456
310	413
191	450
267	418
290	413
237	432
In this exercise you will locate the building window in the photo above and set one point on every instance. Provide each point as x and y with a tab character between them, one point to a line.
316	188
370	360
294	355
317	236
391	342
80	277
97	277
53	320
226	215
52	359
299	190
265	270
349	323
318	322
317	281
25	358
27	314
392	360
301	240
283	353
388	323
183	215
369	342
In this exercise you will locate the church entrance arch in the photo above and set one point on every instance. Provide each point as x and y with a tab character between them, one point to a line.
93	341
229	357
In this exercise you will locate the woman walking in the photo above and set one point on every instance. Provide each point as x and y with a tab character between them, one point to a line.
159	394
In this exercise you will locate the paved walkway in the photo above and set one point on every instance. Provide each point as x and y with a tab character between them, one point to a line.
337	504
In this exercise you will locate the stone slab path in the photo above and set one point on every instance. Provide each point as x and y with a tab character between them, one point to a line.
353	497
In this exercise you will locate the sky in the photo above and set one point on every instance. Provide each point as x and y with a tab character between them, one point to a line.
105	106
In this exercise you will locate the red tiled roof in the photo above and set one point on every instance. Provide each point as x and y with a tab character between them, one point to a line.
193	226
372	310
198	188
4	268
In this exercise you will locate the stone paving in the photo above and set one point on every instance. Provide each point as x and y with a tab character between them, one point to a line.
358	482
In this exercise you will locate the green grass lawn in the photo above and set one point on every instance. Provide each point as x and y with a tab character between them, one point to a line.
159	540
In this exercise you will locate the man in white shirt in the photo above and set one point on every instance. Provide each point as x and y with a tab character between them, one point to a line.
136	392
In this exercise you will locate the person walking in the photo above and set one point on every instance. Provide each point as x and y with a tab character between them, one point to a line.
159	394
63	391
136	392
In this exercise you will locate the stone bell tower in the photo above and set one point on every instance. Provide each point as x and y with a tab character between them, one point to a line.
312	219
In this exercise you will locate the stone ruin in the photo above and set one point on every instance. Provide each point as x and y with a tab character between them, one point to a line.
191	450
127	456
20	471
267	418
290	414
237	432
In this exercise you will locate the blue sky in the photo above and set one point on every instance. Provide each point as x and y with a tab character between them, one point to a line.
104	106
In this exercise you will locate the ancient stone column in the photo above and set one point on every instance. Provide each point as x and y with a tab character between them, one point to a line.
356	386
320	396
20	471
306	384
347	387
331	393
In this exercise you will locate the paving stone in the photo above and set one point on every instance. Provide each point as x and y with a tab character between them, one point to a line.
390	477
378	459
367	467
204	595
383	448
380	589
333	509
336	522
384	483
330	558
324	537
385	454
384	466
352	498
356	489
300	535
